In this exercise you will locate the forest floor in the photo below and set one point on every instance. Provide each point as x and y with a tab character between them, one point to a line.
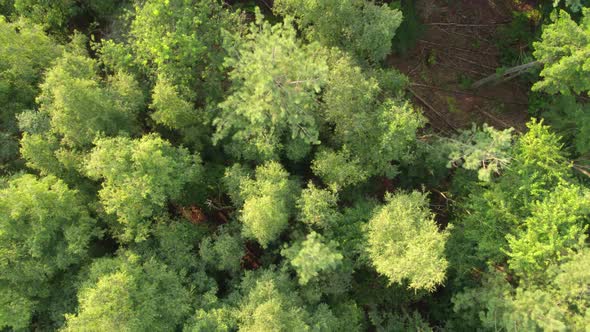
458	46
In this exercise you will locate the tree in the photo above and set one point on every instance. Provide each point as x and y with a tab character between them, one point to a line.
358	26
537	168
558	302
405	243
82	107
312	256
485	150
555	229
318	208
272	107
374	131
269	201
223	251
140	177
563	50
45	229
269	304
338	169
128	294
27	54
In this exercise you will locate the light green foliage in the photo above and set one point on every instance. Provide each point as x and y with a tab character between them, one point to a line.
312	256
358	26
223	251
269	203
174	243
82	107
484	150
180	39
376	133
404	243
270	305
39	151
559	303
554	229
232	179
318	208
44	229
564	50
272	106
174	112
538	166
338	169
140	177
25	54
125	294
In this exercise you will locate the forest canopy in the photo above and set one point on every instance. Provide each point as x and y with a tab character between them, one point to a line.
288	165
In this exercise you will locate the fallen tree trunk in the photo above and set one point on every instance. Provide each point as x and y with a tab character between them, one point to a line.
505	75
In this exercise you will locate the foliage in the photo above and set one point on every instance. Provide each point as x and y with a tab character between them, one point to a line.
223	251
127	294
485	150
361	27
564	52
404	243
272	106
269	201
318	208
181	39
28	53
312	256
45	228
140	177
81	107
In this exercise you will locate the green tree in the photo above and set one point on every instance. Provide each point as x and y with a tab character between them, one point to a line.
269	202
140	177
81	107
270	304
558	303
358	26
563	50
405	244
224	251
126	294
312	256
272	107
375	132
27	53
484	150
45	229
318	208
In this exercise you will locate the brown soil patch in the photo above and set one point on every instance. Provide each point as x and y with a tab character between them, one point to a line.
457	48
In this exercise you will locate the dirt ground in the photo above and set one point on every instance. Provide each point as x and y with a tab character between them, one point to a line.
457	48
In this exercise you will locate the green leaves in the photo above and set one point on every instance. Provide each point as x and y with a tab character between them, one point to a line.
487	150
129	295
44	229
312	256
273	100
404	243
269	203
564	50
140	177
361	27
81	107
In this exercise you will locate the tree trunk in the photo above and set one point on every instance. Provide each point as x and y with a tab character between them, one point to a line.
506	75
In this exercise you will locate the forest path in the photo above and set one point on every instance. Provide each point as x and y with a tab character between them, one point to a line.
457	47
